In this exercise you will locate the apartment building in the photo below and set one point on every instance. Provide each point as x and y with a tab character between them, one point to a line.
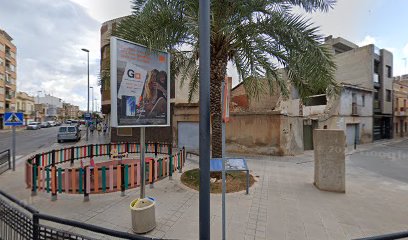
50	105
25	104
400	94
370	68
8	64
71	111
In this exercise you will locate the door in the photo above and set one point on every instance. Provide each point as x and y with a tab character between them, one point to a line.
188	135
308	134
307	137
351	135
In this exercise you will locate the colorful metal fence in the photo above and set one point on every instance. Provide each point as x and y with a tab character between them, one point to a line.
44	174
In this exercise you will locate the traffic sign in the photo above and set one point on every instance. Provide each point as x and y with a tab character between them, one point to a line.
13	119
87	116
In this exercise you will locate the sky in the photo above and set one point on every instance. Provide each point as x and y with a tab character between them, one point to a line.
49	35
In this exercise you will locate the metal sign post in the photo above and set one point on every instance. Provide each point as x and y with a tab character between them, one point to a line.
13	119
142	163
14	148
204	193
223	163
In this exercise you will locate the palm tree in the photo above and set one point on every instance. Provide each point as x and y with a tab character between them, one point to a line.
258	36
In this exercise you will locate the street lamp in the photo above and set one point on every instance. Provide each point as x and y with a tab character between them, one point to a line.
92	99
87	125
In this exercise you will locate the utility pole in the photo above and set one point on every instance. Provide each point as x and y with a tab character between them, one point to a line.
87	125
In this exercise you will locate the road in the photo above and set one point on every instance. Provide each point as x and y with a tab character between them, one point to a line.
389	160
28	141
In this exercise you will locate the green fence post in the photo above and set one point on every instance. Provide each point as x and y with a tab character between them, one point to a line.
48	179
126	180
171	167
81	173
59	180
34	190
104	179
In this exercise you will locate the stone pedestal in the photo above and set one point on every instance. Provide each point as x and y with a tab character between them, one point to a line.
329	156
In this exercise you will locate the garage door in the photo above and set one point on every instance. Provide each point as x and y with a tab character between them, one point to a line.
188	135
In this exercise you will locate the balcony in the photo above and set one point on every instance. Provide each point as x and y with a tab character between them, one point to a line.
401	112
8	55
355	109
376	79
377	106
9	97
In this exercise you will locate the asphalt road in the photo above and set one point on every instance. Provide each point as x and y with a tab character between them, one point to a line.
28	141
389	160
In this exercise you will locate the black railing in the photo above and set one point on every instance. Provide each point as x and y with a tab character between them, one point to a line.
20	221
391	236
5	161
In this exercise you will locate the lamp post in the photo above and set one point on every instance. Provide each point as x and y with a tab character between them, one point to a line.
87	109
92	99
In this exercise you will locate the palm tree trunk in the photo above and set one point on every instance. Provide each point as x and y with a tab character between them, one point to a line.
218	71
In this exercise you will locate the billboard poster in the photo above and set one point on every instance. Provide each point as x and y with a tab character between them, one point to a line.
140	85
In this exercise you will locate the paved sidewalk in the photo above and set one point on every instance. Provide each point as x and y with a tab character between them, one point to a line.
282	204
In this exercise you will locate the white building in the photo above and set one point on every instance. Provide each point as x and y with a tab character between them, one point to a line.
52	103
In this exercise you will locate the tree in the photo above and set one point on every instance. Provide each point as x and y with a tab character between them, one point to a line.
257	36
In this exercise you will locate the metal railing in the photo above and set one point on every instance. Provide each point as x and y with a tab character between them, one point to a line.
21	221
391	236
5	161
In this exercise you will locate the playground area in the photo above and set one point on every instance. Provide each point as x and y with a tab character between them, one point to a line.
100	168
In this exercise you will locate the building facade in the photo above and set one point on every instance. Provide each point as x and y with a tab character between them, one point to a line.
25	104
370	68
400	94
51	105
70	111
351	111
8	76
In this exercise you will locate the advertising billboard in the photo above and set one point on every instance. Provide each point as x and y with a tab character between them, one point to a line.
140	85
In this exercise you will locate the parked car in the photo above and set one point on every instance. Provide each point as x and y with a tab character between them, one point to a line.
45	125
68	133
52	123
33	126
67	121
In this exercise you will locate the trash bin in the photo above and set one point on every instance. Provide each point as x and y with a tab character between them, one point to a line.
143	215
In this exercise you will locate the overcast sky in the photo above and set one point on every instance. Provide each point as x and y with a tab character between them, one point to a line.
49	35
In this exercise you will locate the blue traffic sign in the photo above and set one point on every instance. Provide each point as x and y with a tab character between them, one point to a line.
13	119
87	116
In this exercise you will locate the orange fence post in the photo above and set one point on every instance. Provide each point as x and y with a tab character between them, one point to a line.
53	184
118	176
151	171
73	180
96	179
66	180
132	175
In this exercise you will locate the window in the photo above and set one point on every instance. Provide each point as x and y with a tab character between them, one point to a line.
389	71
363	100
388	95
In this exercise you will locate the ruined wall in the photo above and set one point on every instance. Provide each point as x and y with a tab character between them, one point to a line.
264	133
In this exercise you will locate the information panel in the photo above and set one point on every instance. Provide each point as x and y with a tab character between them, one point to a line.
140	85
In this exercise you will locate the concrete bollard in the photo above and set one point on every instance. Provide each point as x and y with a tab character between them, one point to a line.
329	156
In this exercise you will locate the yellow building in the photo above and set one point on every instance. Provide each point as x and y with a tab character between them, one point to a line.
7	75
400	87
25	104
